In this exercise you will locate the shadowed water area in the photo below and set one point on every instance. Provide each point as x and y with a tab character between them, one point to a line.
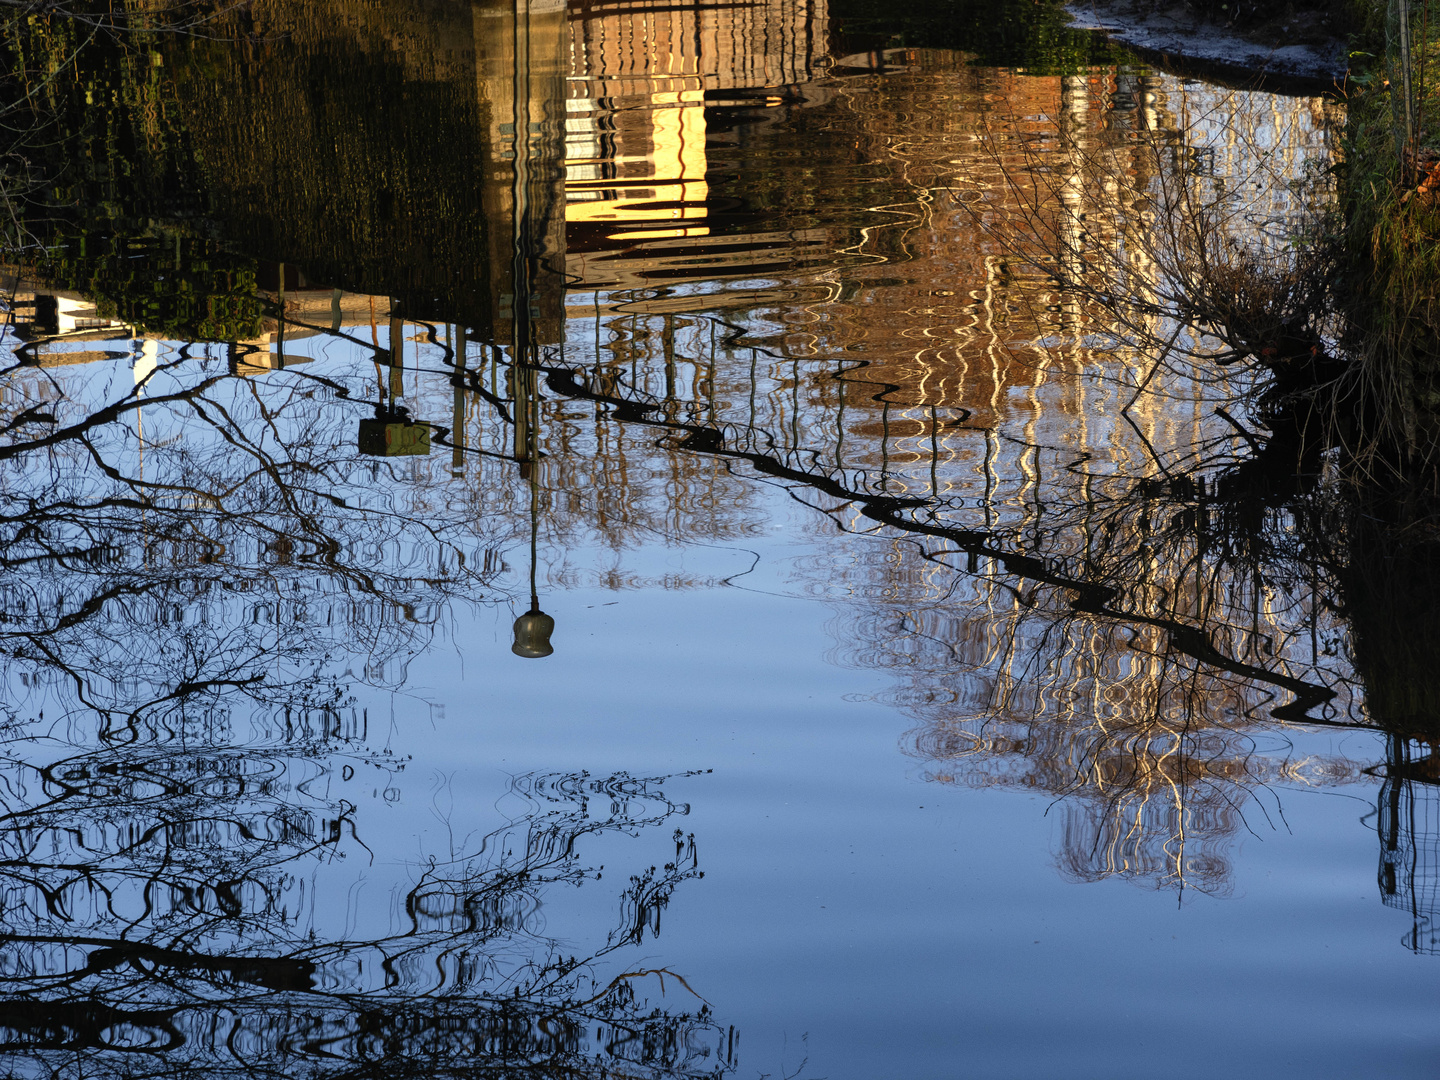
591	540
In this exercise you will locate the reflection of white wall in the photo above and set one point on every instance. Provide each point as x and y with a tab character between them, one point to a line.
77	315
147	361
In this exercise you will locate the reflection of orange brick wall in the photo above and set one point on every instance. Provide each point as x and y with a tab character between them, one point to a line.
625	48
636	160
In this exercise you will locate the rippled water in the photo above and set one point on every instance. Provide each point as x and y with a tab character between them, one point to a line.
933	691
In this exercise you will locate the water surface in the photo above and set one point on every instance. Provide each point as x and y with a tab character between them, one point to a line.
930	695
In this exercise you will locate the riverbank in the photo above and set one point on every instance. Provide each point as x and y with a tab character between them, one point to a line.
1390	223
1307	45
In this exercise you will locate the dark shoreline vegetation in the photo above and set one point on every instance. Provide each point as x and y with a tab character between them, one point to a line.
187	166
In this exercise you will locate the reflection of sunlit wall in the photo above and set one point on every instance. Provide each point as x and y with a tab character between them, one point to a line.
635	124
667	156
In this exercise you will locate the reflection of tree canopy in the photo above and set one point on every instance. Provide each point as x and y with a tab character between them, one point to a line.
214	557
1108	616
233	514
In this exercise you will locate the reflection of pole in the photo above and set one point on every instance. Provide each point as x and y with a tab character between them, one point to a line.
397	354
534	538
457	421
522	257
668	338
526	393
533	629
145	365
280	321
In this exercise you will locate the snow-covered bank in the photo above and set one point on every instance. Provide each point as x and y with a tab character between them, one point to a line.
1298	49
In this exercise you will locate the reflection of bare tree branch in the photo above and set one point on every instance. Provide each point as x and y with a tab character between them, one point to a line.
462	969
215	555
1086	595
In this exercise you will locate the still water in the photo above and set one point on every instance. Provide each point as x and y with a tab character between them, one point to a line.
928	697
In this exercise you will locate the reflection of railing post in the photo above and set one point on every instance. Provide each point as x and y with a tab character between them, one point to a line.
667	338
884	445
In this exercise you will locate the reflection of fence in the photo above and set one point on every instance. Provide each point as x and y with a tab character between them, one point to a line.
1409	828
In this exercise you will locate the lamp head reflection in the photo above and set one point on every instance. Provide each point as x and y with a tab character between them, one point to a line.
532	634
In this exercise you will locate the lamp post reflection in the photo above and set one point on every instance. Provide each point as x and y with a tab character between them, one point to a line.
533	629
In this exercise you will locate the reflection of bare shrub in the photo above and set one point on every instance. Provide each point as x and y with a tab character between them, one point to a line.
236	516
1204	271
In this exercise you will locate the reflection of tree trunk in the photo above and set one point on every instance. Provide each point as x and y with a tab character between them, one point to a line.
1408	824
1390	585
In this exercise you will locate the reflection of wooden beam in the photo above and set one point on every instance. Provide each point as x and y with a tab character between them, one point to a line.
691	303
255	358
670	260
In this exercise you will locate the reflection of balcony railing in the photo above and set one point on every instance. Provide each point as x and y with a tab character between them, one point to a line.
636	134
1408	824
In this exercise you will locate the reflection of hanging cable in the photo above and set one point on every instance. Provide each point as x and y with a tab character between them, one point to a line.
533	629
534	534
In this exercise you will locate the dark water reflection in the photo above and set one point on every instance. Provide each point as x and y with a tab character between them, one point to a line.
356	329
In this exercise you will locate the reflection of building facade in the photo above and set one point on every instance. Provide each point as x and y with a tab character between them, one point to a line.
639	208
933	360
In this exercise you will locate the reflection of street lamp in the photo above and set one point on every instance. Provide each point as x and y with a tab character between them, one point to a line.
532	634
533	629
